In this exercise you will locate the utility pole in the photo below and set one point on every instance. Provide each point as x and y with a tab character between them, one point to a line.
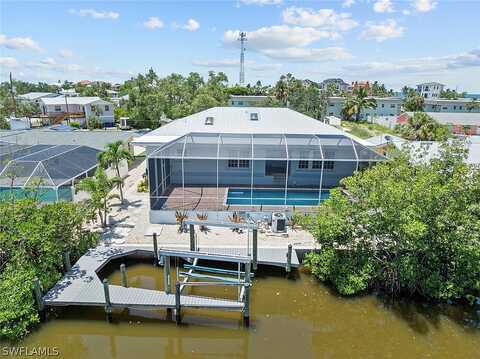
12	92
242	38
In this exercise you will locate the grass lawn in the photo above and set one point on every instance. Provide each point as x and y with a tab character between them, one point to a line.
365	130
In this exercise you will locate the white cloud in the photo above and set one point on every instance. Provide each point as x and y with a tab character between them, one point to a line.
8	62
48	61
153	23
278	36
261	2
406	12
264	67
348	3
288	43
300	54
191	25
382	31
424	5
327	19
420	65
66	53
382	6
19	43
96	14
217	63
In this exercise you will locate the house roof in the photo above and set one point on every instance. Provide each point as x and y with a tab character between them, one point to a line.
36	95
454	118
60	100
271	120
384	139
430	84
445	100
248	97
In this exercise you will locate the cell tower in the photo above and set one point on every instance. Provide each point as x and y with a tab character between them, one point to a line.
242	38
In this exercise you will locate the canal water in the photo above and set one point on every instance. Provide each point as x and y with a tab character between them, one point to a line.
291	318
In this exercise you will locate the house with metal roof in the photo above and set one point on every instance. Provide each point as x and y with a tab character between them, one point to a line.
253	160
82	109
246	100
430	90
47	172
36	96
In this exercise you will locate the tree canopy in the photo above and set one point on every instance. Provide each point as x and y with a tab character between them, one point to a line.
405	226
422	127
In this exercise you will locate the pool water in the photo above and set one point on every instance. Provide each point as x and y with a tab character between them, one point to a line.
275	197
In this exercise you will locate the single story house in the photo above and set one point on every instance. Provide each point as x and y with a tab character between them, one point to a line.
245	101
255	160
386	106
79	108
459	123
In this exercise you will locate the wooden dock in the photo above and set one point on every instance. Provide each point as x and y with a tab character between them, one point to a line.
82	286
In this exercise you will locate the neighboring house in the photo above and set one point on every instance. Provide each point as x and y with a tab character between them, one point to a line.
84	82
36	96
361	84
250	159
112	94
79	108
339	84
430	90
386	107
68	92
245	101
459	123
445	105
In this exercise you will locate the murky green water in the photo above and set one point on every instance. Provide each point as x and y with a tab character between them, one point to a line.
298	318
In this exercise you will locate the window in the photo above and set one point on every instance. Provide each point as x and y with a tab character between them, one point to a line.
58	108
302	165
444	108
316	165
209	121
328	165
454	107
330	114
240	103
331	104
238	163
383	105
392	105
107	108
254	116
460	107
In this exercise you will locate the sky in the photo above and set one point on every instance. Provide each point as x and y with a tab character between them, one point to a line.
394	42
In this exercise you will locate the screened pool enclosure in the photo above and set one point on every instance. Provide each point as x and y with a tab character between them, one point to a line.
211	171
47	172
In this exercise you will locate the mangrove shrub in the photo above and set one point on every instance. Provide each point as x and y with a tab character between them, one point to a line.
404	226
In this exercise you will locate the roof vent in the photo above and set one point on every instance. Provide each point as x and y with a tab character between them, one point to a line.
209	121
254	116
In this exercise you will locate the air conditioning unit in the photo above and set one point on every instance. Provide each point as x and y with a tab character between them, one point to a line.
279	222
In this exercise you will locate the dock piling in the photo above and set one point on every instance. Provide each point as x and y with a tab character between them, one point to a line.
123	275
192	237
246	302
66	261
178	314
255	249
166	274
288	267
155	249
37	289
108	304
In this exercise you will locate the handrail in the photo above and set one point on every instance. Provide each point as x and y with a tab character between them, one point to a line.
199	284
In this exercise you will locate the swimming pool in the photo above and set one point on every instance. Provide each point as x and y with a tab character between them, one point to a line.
274	197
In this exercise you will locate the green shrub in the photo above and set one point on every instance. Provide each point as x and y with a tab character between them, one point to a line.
142	185
94	123
33	238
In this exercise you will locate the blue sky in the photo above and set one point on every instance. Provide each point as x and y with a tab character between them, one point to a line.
395	42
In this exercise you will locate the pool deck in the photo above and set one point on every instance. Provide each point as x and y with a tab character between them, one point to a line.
207	198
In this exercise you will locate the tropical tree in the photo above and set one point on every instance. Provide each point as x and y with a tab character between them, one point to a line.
113	155
473	105
413	102
99	188
360	101
421	127
403	227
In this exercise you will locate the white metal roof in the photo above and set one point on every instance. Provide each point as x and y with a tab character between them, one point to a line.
454	118
36	95
271	120
60	100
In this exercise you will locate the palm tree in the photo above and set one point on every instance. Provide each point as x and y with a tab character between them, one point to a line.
473	105
348	109
362	101
113	155
99	187
421	127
